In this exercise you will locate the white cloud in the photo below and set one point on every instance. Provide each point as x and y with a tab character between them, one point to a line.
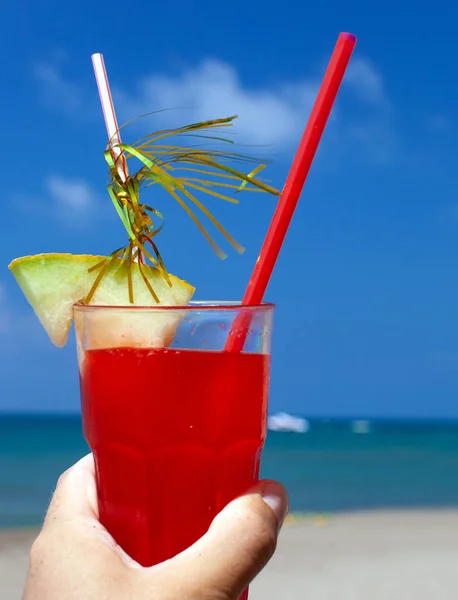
369	124
74	195
269	114
72	201
57	90
213	89
366	81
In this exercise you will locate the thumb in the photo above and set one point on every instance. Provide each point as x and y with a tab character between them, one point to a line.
73	514
75	495
239	543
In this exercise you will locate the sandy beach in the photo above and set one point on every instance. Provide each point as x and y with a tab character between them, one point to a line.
393	555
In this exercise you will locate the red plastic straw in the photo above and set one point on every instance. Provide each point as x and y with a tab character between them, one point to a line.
293	188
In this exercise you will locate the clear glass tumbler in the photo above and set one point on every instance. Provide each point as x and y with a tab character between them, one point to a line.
176	422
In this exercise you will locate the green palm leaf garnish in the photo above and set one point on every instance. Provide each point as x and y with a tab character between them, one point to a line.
181	171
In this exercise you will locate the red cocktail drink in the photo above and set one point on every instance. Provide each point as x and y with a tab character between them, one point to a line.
176	432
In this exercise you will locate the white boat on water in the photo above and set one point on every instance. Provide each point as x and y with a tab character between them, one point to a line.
284	422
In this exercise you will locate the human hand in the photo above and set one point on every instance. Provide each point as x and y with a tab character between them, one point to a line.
74	557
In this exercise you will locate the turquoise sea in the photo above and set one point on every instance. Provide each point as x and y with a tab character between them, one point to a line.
330	468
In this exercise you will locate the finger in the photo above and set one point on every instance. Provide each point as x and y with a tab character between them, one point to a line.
72	517
239	543
75	494
73	547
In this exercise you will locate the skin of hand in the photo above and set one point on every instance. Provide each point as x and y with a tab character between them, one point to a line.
75	558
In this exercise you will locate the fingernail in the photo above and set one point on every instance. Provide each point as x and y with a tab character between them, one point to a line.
274	495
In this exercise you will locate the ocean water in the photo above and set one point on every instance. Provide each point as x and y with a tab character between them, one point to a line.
328	469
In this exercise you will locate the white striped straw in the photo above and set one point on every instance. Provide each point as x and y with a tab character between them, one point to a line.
109	113
110	116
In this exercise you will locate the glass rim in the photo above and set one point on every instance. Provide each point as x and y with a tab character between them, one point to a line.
196	306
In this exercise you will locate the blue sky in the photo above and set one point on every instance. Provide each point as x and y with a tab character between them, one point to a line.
367	282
